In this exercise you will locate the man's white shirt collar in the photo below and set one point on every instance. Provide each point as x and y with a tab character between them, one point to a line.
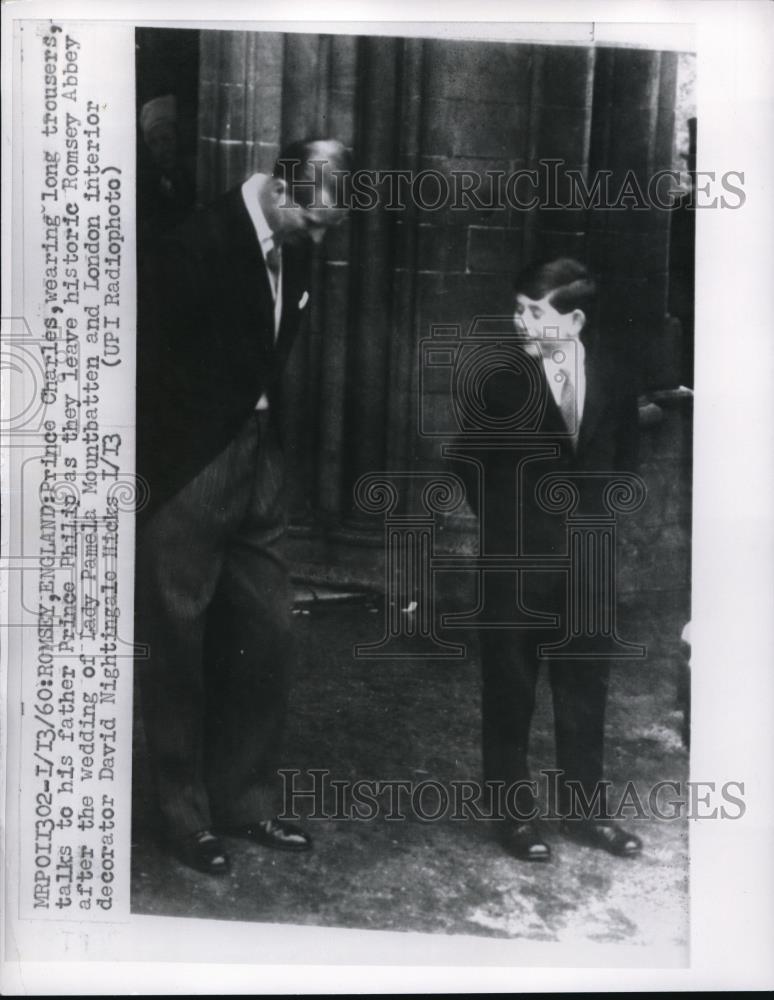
251	190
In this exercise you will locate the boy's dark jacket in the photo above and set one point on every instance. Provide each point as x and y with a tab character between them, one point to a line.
607	443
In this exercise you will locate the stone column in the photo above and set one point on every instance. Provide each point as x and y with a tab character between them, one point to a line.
240	104
371	327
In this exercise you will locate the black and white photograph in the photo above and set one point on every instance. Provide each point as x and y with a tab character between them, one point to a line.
386	478
371	271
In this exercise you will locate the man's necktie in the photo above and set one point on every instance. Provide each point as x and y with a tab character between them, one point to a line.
273	264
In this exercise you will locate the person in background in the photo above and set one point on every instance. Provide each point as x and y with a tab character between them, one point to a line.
165	185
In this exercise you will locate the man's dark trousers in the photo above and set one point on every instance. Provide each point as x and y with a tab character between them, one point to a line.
214	608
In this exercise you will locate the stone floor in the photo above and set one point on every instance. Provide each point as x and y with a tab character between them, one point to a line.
419	720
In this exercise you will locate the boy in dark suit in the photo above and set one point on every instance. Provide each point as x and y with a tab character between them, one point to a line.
586	424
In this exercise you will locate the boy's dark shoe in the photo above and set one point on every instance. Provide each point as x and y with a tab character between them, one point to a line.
523	841
604	835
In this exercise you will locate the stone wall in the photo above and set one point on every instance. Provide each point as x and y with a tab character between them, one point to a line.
384	281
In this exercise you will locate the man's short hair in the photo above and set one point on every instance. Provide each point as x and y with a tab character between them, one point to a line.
309	165
566	281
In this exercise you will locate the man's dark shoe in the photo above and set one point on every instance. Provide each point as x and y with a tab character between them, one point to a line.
202	851
523	841
606	836
277	833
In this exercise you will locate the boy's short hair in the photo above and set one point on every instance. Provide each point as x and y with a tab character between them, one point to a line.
566	281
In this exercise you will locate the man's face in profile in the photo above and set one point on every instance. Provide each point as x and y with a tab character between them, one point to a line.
294	223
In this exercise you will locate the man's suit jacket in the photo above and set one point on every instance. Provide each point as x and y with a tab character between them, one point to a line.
207	347
607	443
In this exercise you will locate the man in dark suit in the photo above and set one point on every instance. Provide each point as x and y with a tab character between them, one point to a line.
585	421
223	301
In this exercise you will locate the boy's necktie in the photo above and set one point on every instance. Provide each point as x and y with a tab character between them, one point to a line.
568	406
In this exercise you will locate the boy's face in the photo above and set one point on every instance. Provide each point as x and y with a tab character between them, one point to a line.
543	322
